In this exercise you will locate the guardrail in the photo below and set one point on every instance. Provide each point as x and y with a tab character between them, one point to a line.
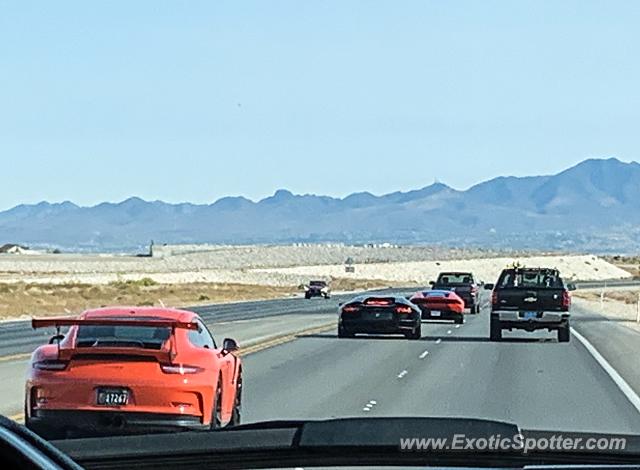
633	282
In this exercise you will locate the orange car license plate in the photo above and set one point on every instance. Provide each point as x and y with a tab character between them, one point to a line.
112	397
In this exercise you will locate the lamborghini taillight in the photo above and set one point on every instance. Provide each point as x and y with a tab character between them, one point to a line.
403	309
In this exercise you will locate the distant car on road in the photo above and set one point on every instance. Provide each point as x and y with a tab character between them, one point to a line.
130	370
317	289
530	299
379	315
439	305
463	284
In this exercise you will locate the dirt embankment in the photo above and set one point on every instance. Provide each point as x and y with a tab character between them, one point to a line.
20	299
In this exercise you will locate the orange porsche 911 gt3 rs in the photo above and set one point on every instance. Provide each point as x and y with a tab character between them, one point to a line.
126	370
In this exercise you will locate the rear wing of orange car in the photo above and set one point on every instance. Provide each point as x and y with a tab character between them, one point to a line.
110	321
161	355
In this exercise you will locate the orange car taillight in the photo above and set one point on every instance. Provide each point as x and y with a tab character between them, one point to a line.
180	369
50	365
403	309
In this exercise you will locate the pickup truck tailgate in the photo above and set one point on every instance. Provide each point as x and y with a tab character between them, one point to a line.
535	300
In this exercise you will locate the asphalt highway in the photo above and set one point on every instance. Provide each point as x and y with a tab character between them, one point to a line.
528	379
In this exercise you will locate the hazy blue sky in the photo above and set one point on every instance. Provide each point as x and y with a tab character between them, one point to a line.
190	101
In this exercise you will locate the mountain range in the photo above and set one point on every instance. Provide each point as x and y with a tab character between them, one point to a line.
593	206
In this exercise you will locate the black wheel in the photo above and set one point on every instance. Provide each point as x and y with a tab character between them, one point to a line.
307	296
237	404
495	333
416	333
564	334
459	320
343	333
216	409
476	308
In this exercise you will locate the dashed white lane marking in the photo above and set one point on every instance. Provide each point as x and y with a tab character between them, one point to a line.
402	374
622	384
423	355
439	340
449	332
369	405
457	326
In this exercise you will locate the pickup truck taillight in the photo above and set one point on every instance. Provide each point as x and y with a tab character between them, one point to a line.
566	300
494	297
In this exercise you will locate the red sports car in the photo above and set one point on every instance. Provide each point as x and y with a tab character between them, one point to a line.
440	305
122	370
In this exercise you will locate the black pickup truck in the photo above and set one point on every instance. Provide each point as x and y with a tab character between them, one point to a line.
463	285
530	299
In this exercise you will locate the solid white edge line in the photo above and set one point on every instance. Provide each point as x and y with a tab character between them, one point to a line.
622	384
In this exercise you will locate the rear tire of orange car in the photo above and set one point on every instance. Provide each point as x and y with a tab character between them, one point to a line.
237	404
216	409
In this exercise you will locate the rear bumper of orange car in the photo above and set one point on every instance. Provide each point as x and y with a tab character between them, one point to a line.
67	402
58	424
440	311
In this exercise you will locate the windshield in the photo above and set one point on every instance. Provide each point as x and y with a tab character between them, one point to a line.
533	278
332	209
88	336
454	278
